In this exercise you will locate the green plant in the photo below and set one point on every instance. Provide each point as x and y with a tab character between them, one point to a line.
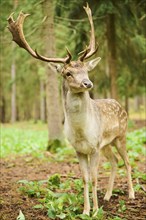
32	188
131	124
54	181
136	139
137	187
122	206
59	201
116	218
139	175
118	192
100	214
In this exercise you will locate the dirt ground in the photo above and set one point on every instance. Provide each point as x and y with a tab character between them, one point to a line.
30	168
13	170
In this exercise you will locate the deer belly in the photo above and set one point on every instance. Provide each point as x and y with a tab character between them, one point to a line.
84	147
108	135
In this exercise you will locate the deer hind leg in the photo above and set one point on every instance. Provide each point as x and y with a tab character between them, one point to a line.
121	148
108	153
83	162
94	163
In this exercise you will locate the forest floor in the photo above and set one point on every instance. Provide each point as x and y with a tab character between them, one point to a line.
14	169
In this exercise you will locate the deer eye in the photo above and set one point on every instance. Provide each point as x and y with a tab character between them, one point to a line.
68	74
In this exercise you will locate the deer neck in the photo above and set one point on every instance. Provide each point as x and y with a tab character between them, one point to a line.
77	103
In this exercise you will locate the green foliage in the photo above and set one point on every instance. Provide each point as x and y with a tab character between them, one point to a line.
55	144
29	138
139	175
27	80
57	198
116	218
118	192
32	188
138	187
135	142
17	140
100	215
54	181
131	124
122	206
106	7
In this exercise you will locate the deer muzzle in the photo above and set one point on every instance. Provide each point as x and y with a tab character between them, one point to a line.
86	83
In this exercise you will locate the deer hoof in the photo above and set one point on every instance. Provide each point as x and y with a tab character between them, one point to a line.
86	212
131	195
107	197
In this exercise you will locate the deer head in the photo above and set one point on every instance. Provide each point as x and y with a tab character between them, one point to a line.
76	75
75	72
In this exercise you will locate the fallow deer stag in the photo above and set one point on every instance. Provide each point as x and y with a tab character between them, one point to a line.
91	125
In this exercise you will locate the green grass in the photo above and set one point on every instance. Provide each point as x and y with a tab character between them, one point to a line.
135	145
29	138
23	139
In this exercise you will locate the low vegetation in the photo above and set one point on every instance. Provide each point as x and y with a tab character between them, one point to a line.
62	198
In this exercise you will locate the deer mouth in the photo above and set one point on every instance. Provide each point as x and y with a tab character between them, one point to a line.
80	87
87	84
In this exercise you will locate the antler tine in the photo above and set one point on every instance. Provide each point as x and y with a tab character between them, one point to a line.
92	48
16	28
84	53
69	56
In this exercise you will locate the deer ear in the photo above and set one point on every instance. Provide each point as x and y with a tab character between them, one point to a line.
92	63
55	67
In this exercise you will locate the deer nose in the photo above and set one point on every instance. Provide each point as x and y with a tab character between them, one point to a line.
87	83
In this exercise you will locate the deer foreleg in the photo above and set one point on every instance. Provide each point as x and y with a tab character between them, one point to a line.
94	162
83	161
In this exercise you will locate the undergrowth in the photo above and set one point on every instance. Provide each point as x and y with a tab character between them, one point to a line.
56	196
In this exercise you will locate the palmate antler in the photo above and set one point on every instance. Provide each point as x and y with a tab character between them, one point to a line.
92	48
16	28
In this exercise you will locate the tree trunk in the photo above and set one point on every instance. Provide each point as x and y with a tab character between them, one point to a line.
13	78
2	109
42	101
111	42
36	112
137	103
52	88
13	90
